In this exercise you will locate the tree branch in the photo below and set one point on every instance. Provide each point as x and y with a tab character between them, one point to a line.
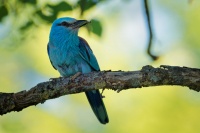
115	80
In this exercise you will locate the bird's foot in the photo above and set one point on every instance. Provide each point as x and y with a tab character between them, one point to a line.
102	96
52	79
75	76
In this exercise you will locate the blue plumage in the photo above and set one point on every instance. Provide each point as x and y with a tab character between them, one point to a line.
70	54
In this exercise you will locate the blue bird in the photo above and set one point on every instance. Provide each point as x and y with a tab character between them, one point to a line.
70	54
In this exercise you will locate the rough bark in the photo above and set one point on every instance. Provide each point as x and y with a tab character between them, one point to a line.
115	80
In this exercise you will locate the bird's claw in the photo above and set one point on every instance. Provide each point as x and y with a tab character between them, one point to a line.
52	79
75	76
102	96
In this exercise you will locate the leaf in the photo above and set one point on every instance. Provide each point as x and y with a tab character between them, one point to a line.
96	27
29	1
3	12
47	18
55	9
27	25
87	4
62	6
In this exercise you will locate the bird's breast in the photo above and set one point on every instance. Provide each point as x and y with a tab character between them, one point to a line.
68	61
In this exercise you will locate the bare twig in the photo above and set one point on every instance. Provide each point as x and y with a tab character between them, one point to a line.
146	7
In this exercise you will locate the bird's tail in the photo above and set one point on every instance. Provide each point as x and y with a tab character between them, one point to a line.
97	105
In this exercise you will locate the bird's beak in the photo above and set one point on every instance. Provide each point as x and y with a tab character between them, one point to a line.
79	23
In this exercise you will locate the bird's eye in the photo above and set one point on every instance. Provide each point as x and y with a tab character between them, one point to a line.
64	23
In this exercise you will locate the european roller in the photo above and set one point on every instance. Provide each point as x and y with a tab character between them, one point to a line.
71	54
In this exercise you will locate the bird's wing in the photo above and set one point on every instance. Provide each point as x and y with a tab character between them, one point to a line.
49	56
87	54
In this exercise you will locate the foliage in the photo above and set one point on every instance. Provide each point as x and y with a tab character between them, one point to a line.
35	13
3	12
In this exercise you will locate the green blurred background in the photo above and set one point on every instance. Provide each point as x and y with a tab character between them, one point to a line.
118	37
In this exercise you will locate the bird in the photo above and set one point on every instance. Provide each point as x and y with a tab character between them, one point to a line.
71	54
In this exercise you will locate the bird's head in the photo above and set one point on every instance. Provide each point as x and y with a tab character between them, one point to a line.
66	27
